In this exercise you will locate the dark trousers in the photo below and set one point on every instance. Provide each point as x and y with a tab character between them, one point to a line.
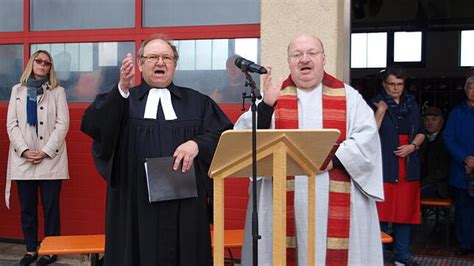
401	239
463	218
28	191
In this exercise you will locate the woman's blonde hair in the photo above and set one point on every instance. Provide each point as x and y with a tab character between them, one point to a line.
53	81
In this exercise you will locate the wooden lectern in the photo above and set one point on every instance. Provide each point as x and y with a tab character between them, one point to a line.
280	153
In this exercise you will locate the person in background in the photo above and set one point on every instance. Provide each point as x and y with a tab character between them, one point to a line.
458	136
434	157
347	228
154	119
232	92
37	124
401	133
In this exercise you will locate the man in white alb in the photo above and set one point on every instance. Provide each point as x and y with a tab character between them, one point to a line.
348	233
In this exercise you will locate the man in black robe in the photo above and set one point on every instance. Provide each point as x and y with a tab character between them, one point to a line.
154	119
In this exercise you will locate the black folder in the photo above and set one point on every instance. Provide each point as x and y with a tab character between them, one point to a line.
166	184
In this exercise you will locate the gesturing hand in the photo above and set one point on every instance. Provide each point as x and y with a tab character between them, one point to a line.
270	91
185	152
127	73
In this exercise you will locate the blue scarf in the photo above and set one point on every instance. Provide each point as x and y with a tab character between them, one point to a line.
35	88
403	108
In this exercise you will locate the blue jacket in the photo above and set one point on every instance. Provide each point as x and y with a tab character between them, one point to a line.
389	140
459	139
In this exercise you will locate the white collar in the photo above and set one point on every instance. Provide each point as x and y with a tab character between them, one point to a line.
155	96
432	136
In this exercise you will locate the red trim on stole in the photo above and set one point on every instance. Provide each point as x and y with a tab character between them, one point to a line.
334	116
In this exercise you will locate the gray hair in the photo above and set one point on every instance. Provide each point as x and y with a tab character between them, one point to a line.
469	81
158	37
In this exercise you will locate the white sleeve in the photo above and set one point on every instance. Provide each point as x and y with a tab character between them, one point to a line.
124	95
361	152
245	120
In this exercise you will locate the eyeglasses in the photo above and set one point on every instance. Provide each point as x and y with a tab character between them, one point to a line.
42	62
153	58
393	85
300	55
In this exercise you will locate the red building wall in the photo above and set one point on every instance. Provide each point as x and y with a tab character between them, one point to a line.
83	196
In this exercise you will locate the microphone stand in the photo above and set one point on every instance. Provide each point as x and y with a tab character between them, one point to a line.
254	95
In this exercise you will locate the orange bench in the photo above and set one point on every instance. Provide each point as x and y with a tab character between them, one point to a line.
95	244
386	238
435	202
232	239
438	207
80	244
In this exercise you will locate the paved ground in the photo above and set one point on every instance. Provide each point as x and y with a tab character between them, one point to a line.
10	254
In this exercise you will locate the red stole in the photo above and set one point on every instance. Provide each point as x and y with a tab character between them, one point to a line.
334	116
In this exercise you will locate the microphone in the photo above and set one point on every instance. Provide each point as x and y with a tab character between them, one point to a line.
249	66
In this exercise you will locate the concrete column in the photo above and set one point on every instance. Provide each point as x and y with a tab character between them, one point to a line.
282	20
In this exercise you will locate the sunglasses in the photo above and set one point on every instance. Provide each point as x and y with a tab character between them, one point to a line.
42	62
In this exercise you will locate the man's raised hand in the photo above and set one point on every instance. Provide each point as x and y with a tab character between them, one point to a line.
270	92
127	73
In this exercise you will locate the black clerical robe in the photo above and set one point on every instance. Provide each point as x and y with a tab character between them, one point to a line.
174	232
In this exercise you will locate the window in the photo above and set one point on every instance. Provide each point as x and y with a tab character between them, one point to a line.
379	49
212	54
247	48
11	67
208	66
11	16
197	12
407	47
86	69
83	14
467	53
88	39
369	50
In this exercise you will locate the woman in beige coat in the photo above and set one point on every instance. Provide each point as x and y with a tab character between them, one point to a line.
37	124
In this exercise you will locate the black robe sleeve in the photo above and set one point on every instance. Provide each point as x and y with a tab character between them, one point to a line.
265	113
102	121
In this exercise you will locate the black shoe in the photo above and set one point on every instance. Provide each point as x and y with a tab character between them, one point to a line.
462	252
28	259
45	260
406	262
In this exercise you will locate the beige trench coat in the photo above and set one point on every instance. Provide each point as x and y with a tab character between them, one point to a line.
53	125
